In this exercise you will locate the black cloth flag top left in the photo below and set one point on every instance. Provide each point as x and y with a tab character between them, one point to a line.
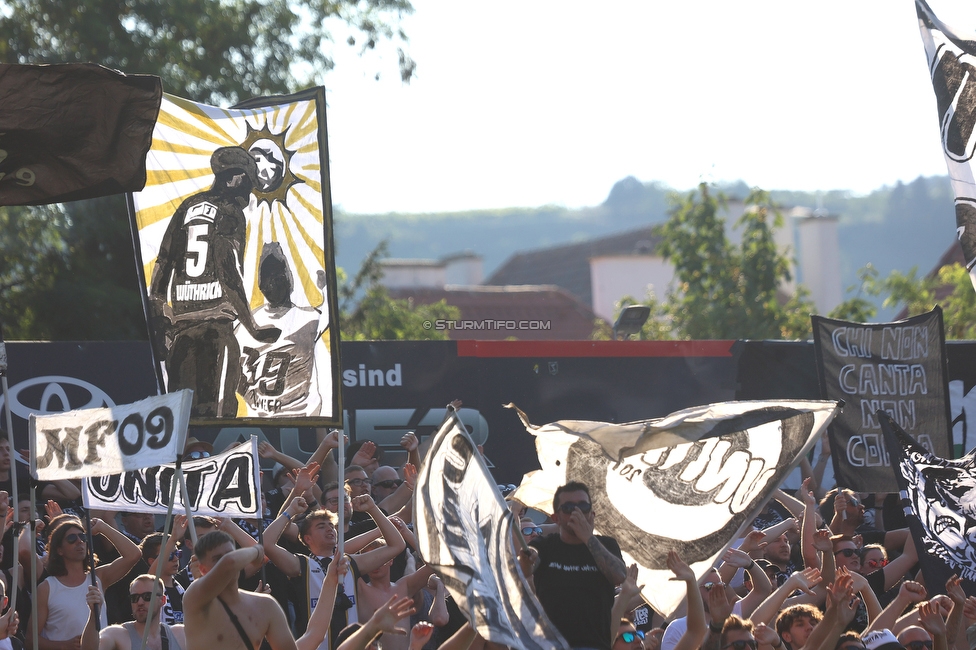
691	481
938	496
73	131
236	259
951	58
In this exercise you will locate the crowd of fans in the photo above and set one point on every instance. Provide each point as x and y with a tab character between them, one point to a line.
817	571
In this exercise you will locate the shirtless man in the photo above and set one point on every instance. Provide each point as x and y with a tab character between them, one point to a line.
379	590
128	636
213	603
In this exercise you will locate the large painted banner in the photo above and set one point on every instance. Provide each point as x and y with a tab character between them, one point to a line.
951	57
898	368
464	531
226	485
937	494
102	441
235	252
691	482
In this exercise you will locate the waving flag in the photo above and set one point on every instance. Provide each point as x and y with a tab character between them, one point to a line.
73	131
951	59
938	495
691	482
236	259
464	531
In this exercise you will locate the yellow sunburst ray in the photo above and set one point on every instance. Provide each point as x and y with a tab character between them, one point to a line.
200	115
313	210
312	292
310	241
306	124
157	177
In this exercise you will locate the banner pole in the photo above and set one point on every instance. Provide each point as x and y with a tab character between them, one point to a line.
33	551
91	565
14	496
167	533
186	505
341	508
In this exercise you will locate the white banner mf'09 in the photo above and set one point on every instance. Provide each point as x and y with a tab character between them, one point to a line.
226	485
103	441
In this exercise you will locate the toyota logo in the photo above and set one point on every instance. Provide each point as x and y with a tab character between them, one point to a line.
55	394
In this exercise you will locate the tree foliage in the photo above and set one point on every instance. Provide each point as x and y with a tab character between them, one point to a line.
950	288
214	51
723	290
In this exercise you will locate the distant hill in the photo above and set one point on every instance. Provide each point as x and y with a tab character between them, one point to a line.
893	227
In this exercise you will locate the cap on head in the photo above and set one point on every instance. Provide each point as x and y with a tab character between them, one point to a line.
881	640
234	158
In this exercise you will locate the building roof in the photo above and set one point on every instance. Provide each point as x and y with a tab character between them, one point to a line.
494	313
568	266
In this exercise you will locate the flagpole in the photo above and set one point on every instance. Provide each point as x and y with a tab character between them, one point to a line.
32	516
341	508
167	533
14	496
186	505
91	565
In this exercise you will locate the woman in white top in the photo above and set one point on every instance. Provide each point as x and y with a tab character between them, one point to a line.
60	617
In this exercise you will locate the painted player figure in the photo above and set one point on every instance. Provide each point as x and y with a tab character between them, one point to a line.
279	377
197	291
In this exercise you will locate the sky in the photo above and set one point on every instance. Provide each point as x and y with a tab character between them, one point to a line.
536	102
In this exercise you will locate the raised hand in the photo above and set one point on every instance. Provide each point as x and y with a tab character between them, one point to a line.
678	567
580	526
363	503
629	587
806	491
419	634
765	635
306	477
755	540
931	617
410	475
389	614
969	609
735	557
913	591
653	639
409	441
806	579
821	541
265	450
364	457
954	590
719	606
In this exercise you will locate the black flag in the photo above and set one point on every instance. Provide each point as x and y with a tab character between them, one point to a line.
73	131
939	497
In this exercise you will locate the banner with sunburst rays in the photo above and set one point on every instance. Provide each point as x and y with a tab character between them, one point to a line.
233	234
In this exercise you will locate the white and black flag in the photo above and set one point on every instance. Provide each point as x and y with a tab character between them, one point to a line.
464	531
939	497
951	59
691	482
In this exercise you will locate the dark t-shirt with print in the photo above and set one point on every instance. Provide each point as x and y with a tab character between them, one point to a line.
575	594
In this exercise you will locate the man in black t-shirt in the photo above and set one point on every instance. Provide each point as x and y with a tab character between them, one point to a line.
575	571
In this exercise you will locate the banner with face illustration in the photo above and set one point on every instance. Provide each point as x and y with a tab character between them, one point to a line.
938	496
951	57
690	482
235	254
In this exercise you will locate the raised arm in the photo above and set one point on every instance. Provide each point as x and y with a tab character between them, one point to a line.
767	610
130	553
204	589
909	593
282	558
394	541
383	621
695	633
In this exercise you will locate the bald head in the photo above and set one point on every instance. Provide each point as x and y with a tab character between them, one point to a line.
385	482
914	634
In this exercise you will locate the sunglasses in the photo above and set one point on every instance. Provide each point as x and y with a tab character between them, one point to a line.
358	482
197	455
919	645
175	554
846	552
387	485
711	585
742	645
583	506
628	637
533	530
146	596
853	646
73	538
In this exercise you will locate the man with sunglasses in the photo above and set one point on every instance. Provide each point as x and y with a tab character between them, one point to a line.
173	610
628	637
128	636
575	571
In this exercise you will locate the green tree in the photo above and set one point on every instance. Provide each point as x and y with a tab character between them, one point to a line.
368	313
80	281
727	291
916	295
